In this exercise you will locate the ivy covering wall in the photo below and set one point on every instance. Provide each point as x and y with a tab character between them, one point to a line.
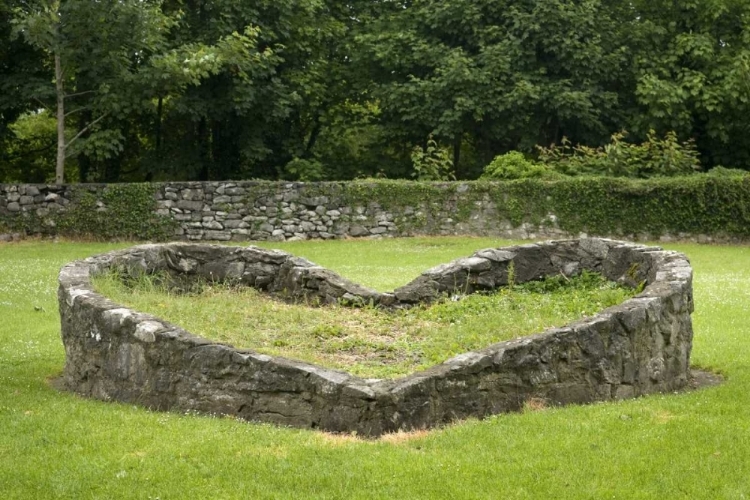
699	205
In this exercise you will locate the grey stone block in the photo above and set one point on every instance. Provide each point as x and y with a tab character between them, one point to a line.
639	347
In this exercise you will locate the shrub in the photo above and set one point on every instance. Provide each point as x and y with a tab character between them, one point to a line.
655	157
300	169
720	171
432	163
514	165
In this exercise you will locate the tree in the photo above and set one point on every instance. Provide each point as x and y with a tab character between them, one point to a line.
692	68
253	125
112	59
310	89
22	78
502	74
95	50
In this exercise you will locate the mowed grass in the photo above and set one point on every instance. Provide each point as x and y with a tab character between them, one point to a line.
57	445
369	342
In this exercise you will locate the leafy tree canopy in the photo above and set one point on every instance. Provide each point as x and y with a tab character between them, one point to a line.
319	89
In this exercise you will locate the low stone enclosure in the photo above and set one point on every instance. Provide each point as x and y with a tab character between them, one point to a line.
639	347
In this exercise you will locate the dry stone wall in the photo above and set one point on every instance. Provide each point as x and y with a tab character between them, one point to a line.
639	347
279	211
261	210
42	202
240	211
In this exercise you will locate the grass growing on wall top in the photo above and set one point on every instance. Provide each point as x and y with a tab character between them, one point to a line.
54	445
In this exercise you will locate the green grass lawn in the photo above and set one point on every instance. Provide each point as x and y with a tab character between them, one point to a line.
689	445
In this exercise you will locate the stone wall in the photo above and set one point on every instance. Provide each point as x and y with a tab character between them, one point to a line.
24	200
250	210
277	211
639	347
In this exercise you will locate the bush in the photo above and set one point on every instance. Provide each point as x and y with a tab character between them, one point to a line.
720	171
656	157
696	204
432	163
514	165
300	169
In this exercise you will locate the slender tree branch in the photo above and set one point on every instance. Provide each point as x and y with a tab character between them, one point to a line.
44	105
59	93
76	110
81	93
84	129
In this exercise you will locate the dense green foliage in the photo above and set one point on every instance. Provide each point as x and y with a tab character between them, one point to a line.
699	204
319	89
514	165
56	445
431	163
653	158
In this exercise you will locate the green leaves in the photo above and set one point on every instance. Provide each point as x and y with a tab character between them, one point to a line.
690	75
227	89
510	74
126	212
653	158
513	165
431	163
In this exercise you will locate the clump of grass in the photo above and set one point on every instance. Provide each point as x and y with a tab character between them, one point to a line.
368	342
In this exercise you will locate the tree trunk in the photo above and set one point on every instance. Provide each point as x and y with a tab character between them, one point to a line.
217	154
60	166
456	154
84	162
159	111
204	154
314	134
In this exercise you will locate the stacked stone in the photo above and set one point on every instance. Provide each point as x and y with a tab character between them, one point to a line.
273	271
226	211
41	200
250	210
639	347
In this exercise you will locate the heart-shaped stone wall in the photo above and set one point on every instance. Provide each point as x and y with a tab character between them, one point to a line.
638	347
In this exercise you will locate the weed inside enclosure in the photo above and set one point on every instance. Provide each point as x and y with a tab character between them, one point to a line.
369	341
